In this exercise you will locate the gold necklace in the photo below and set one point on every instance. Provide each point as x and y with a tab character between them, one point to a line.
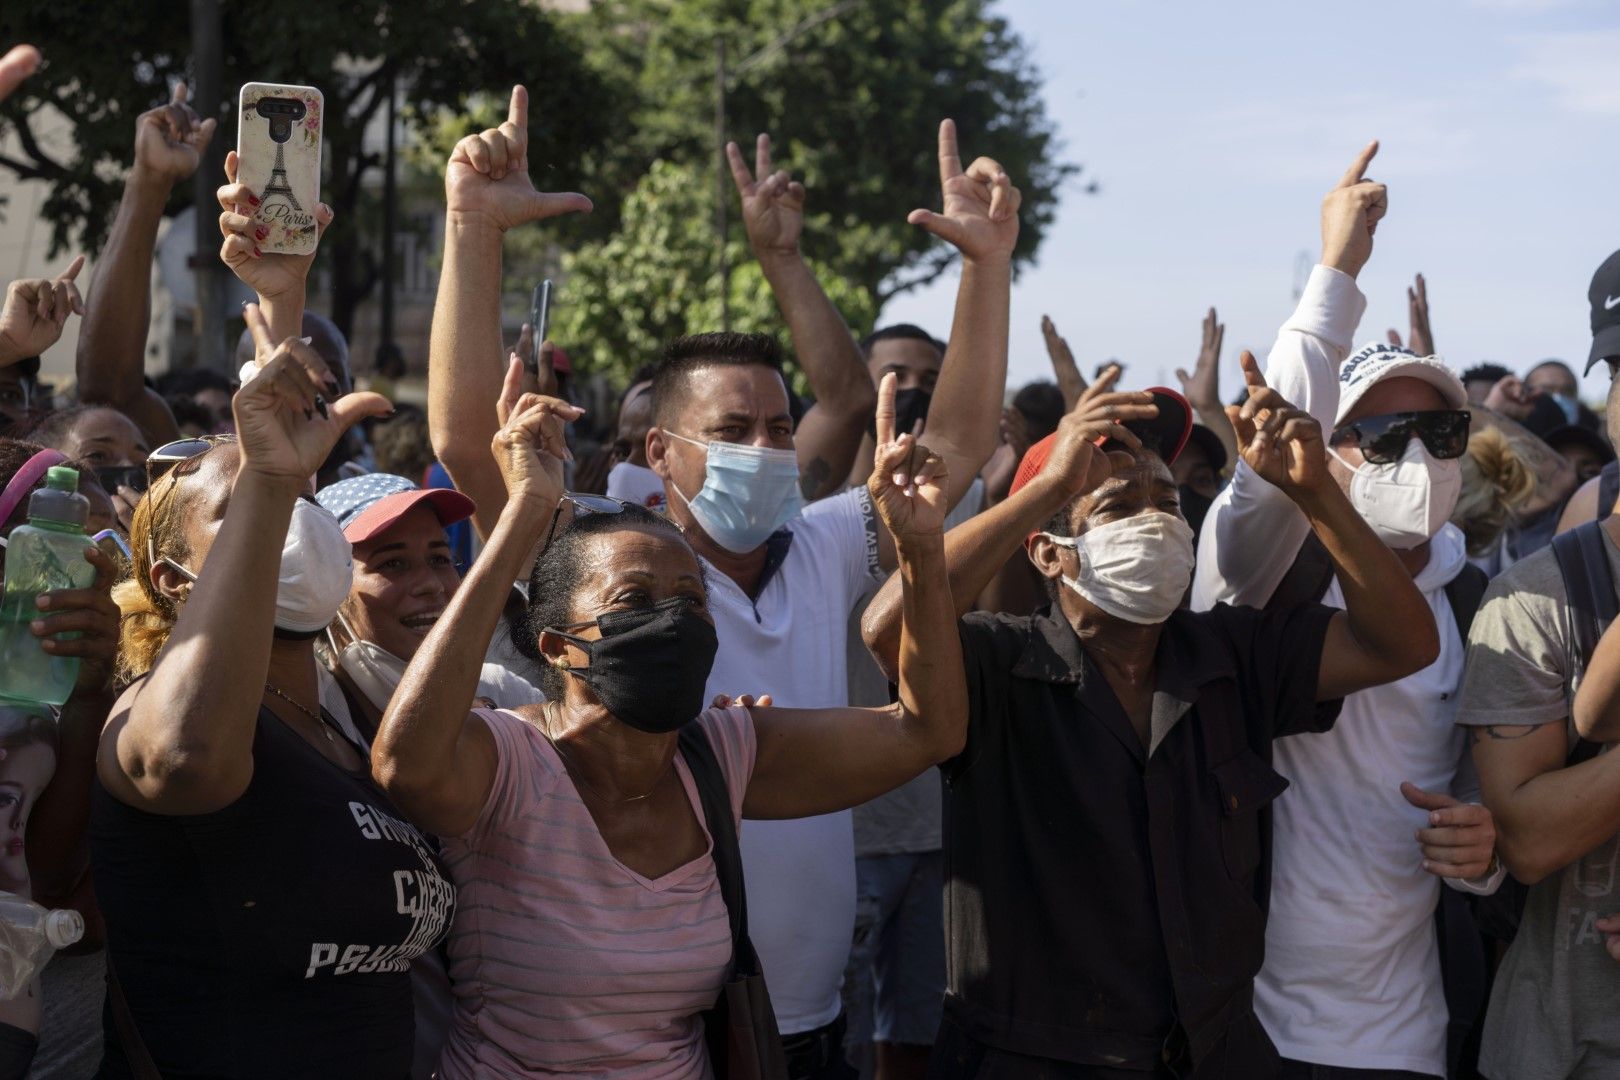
320	721
576	775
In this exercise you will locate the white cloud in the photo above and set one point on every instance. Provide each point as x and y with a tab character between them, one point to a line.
1578	65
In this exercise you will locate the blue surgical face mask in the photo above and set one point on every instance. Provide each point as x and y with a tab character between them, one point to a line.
748	493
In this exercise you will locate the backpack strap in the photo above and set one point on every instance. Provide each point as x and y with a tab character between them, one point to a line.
716	799
1464	593
1608	489
1583	562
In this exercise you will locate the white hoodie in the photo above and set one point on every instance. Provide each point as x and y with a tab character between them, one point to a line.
1352	970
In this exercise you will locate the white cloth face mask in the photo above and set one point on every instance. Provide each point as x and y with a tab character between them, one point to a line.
1407	501
1137	568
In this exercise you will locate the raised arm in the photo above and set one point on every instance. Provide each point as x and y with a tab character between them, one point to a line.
181	740
111	363
1304	368
815	761
980	218
1203	387
1071	384
830	433
434	757
487	191
976	550
1386	630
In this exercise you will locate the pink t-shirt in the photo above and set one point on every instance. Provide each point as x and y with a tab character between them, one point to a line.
564	960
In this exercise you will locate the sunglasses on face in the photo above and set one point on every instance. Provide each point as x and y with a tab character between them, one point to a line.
581	504
169	455
1382	439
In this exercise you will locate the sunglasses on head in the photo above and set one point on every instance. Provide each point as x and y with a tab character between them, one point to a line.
581	504
1382	439
167	456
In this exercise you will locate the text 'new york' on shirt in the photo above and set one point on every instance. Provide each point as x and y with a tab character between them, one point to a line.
273	937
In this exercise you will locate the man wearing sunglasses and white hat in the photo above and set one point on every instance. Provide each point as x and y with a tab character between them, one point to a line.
1381	805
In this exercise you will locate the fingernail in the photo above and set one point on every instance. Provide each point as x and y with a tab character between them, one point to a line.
1434	818
306	340
37	626
320	407
257	252
899	479
42	601
252	198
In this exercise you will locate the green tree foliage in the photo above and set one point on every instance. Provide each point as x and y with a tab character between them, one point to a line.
108	62
655	279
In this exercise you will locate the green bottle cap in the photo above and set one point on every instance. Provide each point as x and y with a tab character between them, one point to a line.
62	478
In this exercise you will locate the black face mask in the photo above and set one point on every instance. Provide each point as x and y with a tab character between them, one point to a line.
1194	507
910	406
650	665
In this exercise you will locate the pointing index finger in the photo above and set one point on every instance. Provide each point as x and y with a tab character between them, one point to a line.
517	113
950	160
885	410
1251	372
259	327
73	269
1358	167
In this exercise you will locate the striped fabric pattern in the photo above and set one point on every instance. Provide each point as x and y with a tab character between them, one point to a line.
563	959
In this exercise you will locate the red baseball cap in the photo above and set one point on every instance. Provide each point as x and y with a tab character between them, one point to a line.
1166	433
367	506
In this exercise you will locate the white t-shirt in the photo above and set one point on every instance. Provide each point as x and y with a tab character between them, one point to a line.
790	643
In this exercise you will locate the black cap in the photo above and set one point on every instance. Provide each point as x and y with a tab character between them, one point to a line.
1604	296
1574	435
1210	443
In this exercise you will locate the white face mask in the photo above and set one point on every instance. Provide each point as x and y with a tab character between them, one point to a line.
375	671
1407	501
317	569
1136	569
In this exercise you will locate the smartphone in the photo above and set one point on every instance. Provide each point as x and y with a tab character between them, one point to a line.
278	147
539	319
112	477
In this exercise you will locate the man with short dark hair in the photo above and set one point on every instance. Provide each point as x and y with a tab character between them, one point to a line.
782	584
1479	380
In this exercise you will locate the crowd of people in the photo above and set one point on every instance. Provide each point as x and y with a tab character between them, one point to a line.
915	728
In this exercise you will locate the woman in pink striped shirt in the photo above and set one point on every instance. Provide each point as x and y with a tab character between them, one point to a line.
591	932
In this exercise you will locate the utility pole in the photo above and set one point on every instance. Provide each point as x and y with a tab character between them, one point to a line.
721	196
390	212
208	52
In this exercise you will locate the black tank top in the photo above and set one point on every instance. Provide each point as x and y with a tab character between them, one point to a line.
272	938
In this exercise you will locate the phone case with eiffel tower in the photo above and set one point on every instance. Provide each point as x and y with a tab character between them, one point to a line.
278	145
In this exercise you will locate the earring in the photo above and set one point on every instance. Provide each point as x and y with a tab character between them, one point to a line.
560	662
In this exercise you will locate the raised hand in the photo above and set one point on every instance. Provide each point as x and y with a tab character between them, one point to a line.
772	202
980	205
1281	443
1421	339
271	275
1203	386
286	418
488	175
35	311
90	614
170	139
1070	382
19	62
1077	460
531	445
1512	399
908	481
1461	838
1350	215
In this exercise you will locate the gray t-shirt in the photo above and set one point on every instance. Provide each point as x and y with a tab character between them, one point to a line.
1555	1009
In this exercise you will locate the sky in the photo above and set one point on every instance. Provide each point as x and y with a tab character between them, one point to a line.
1214	130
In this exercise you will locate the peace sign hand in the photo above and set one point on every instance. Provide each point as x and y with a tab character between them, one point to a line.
1281	443
1350	215
772	202
981	204
170	139
286	422
908	481
35	311
531	445
488	175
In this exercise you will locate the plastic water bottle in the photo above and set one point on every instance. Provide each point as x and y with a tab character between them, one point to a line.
29	937
45	554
